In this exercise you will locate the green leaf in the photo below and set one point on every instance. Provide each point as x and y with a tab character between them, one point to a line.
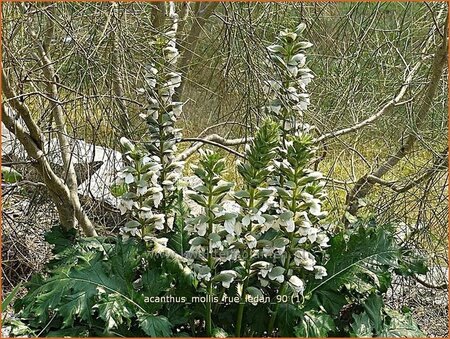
199	199
10	175
314	324
114	310
179	241
362	326
366	250
62	239
118	190
276	49
219	333
154	326
374	307
132	224
76	331
286	317
401	326
9	298
222	188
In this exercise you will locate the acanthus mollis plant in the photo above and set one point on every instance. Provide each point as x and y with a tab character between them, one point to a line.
149	181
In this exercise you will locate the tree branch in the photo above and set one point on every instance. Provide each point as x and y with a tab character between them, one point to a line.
212	139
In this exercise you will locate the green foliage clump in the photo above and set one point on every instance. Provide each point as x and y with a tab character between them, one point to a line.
101	287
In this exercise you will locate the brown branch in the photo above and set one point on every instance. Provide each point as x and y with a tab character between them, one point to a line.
202	12
58	116
391	104
124	118
439	164
57	189
442	286
386	109
220	144
158	14
212	139
22	109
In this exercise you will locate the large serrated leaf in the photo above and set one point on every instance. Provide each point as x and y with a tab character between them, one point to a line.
155	326
367	249
314	325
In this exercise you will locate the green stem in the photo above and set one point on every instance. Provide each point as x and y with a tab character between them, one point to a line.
274	314
247	278
244	295
211	265
208	311
288	258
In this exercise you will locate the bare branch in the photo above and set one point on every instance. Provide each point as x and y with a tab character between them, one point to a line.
212	139
387	108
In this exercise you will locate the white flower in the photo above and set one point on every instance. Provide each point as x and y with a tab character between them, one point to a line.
322	240
126	176
125	205
141	190
251	241
201	229
313	203
310	232
296	284
171	54
145	213
246	220
157	195
305	259
152	70
129	178
268	251
303	104
226	277
215	242
170	221
177	108
159	221
305	79
134	231
320	272
229	226
263	267
202	272
260	220
289	224
151	82
127	144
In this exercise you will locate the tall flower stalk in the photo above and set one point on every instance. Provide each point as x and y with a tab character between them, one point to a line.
147	186
299	189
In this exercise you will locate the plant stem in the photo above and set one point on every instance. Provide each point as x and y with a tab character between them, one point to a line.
242	303
247	267
288	257
208	311
209	291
